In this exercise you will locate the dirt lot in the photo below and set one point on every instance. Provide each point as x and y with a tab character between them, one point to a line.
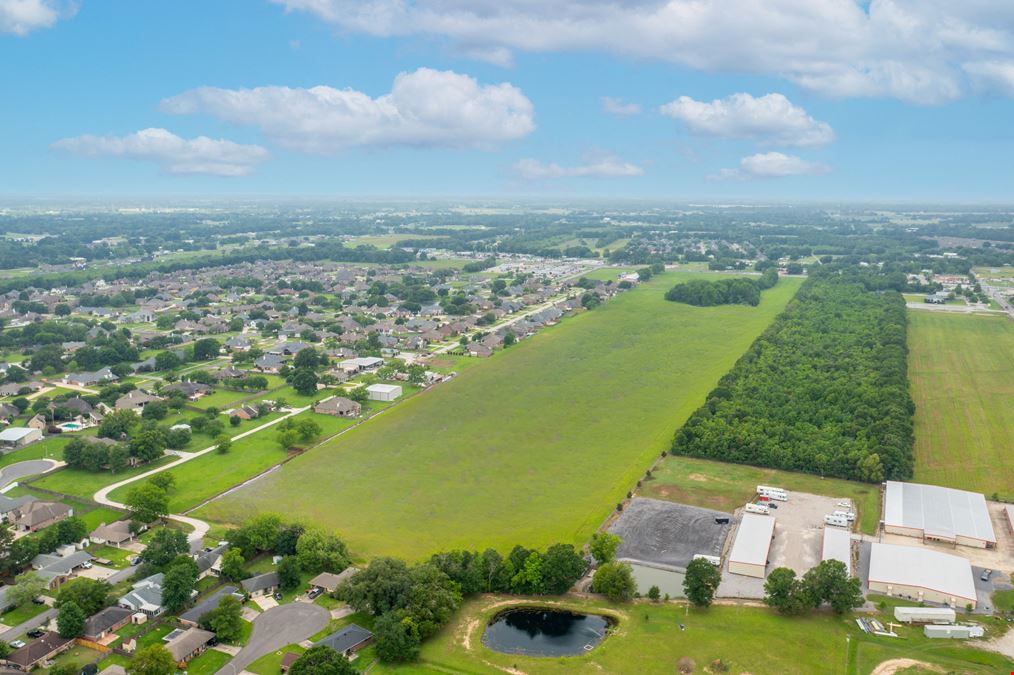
666	533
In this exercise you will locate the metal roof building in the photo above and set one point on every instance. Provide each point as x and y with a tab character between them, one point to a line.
921	574
837	546
749	554
938	513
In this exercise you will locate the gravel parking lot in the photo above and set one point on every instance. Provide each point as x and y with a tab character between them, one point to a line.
799	530
665	533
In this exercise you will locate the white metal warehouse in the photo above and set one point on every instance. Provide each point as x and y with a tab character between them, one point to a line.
749	554
921	574
938	513
837	546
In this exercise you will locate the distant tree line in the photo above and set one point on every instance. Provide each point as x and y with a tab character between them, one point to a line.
736	291
823	390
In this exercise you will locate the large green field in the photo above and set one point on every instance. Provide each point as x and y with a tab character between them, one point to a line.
535	446
648	639
961	370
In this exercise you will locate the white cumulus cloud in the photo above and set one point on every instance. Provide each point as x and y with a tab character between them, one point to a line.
908	49
617	106
603	166
992	76
23	16
424	108
201	155
772	165
770	120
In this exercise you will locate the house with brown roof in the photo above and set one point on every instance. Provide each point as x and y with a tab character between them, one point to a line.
339	407
36	515
135	400
39	650
189	644
115	534
107	621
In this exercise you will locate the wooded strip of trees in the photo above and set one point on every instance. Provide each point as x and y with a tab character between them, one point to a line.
736	291
823	390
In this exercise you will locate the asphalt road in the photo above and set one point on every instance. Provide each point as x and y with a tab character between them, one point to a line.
34	622
276	628
19	470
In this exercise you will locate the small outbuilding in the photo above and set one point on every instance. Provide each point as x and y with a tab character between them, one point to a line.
383	392
18	437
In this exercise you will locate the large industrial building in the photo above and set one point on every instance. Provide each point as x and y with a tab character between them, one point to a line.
921	574
837	546
937	513
749	554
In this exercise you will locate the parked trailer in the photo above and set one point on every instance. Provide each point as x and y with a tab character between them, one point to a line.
757	508
837	521
761	489
848	515
938	615
959	631
713	559
777	494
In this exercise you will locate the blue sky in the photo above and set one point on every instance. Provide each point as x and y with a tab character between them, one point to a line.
507	99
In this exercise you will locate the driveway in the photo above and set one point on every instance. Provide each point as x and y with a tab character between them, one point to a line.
20	470
276	628
34	622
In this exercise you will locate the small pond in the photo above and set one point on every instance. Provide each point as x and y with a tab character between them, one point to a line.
545	632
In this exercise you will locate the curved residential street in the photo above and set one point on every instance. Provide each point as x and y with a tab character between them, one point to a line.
30	467
276	628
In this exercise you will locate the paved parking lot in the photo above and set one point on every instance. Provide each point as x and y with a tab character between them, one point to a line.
666	533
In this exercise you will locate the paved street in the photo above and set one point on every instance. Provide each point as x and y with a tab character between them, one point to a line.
20	470
276	628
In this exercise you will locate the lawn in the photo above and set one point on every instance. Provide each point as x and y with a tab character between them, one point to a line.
76	658
648	639
19	615
51	448
120	557
223	398
716	485
271	663
962	373
208	663
81	483
213	473
533	447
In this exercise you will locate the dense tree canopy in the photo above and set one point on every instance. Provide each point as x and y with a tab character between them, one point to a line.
823	390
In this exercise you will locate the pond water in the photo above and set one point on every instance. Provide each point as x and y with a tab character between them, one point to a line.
544	632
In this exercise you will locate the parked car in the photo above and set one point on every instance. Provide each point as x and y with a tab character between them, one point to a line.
87	564
278	596
314	593
772	505
136	560
36	633
986	575
17	644
38	601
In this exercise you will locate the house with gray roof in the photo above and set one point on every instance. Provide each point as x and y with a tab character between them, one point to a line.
192	616
348	640
146	596
262	584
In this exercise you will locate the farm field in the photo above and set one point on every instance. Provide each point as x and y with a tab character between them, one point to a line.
961	369
534	447
648	640
717	485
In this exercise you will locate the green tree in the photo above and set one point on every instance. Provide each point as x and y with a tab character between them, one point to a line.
287	438
615	581
177	586
263	530
304	381
166	544
603	546
307	430
320	551
70	620
117	424
397	637
153	660
322	660
223	444
528	578
164	480
432	599
701	581
288	573
206	348
654	594
233	565
830	582
167	361
89	595
147	503
27	586
226	620
562	566
306	358
148	445
380	588
783	591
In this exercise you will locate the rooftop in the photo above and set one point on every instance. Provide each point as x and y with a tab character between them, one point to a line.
938	511
753	539
924	568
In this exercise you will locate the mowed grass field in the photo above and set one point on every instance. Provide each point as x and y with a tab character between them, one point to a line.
961	369
535	446
647	639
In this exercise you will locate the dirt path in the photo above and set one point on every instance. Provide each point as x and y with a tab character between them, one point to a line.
894	665
1002	645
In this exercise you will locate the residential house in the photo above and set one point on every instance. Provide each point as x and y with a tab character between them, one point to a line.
238	344
39	650
192	617
328	582
107	621
339	407
90	379
38	422
348	640
56	569
8	505
192	390
8	412
189	644
115	534
145	596
36	515
208	561
135	400
269	363
262	584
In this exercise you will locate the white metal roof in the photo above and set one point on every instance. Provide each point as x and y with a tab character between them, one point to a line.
753	539
938	511
837	546
385	388
923	568
16	433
